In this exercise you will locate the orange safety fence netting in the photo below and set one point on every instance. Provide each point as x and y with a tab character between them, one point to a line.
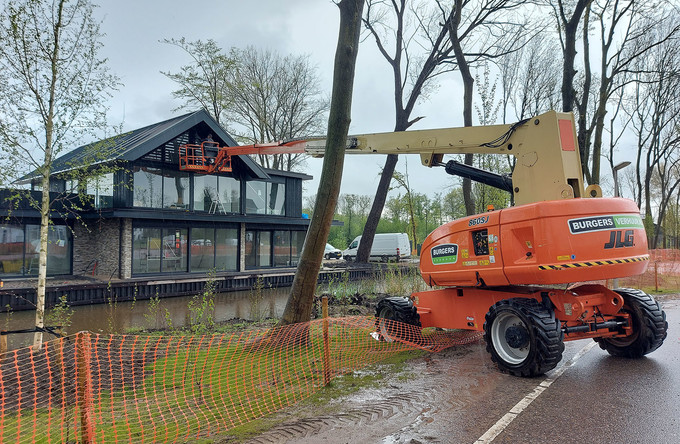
110	388
663	273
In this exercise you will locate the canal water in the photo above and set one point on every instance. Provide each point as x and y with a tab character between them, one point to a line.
121	317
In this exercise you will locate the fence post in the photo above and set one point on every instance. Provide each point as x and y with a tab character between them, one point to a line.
326	343
3	343
83	391
656	276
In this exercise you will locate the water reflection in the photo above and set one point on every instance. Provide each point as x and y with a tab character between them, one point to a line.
119	317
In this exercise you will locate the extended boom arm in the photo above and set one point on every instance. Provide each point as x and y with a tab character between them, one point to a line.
548	166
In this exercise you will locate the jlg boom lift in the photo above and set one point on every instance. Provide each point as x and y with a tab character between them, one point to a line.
510	272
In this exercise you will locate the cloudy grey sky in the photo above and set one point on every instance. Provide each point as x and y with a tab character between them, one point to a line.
134	27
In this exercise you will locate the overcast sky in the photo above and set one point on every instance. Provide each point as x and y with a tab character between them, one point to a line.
134	27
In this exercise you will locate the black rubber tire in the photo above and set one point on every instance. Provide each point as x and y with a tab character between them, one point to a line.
649	326
539	332
349	258
395	309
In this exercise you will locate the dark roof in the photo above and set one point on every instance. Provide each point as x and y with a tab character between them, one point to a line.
132	145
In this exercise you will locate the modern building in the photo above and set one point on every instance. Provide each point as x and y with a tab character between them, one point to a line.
147	217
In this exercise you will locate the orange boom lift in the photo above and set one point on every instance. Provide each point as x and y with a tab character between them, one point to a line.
511	272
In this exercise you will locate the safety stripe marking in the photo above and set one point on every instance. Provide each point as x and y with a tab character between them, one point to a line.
594	263
505	421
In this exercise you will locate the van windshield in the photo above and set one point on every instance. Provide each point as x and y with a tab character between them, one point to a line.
353	244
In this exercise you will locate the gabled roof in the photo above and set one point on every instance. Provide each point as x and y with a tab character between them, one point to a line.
135	144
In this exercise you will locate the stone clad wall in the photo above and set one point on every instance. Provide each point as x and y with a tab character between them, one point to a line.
126	250
98	240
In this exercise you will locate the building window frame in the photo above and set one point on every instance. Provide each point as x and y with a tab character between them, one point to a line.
63	238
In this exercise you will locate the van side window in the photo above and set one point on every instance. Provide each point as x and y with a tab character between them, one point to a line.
353	244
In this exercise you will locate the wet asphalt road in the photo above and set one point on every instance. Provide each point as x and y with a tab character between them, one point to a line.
597	399
458	395
605	399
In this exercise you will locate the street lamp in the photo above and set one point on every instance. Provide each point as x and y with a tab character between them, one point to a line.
616	169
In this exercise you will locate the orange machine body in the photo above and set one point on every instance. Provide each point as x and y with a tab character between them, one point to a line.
544	243
522	252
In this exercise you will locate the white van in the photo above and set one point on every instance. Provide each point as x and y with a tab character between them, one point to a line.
386	247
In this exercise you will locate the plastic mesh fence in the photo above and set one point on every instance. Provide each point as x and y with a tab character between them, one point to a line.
663	273
108	388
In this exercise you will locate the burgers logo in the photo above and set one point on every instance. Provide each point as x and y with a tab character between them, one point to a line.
444	254
601	223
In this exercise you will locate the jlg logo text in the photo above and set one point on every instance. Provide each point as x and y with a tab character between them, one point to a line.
616	241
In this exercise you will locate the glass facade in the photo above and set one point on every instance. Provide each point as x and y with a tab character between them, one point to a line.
176	190
158	247
156	250
165	250
159	188
20	249
205	191
146	250
266	198
226	249
100	190
230	194
297	240
276	199
202	249
256	197
148	187
279	248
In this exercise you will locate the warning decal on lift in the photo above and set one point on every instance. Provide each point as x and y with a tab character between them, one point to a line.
444	254
594	263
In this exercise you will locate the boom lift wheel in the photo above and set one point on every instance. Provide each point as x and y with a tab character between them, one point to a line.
523	337
395	309
648	322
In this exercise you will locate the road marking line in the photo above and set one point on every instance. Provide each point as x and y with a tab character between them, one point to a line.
505	421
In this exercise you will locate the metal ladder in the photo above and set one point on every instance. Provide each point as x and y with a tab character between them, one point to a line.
215	205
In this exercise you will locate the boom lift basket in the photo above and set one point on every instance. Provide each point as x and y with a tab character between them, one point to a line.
207	157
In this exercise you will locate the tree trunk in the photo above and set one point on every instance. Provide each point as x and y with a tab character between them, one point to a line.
42	263
402	113
468	85
373	219
568	71
583	134
299	305
46	171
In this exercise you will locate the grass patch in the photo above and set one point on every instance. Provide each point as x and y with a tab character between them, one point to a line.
225	384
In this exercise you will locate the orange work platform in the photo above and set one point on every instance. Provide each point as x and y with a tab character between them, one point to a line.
210	157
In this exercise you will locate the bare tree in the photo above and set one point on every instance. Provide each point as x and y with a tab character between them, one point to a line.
623	29
409	29
667	175
205	81
275	98
53	94
480	30
654	108
568	15
530	78
260	96
299	305
402	180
